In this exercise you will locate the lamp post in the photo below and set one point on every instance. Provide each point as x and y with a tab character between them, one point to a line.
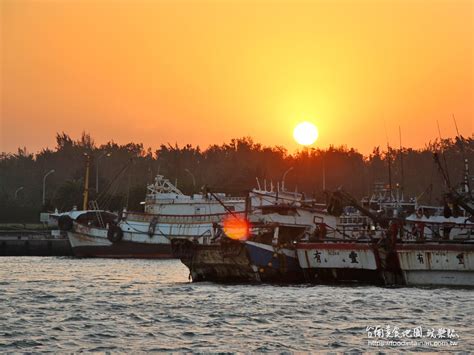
17	191
283	178
106	154
44	184
194	180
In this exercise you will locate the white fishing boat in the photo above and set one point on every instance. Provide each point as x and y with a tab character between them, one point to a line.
437	250
437	263
341	261
168	214
436	246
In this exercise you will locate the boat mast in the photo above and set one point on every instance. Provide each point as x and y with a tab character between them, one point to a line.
446	172
389	164
402	182
467	188
389	171
86	182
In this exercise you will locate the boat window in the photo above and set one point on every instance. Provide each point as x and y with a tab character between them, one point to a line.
199	210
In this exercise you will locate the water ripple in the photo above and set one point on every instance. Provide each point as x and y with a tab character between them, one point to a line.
70	305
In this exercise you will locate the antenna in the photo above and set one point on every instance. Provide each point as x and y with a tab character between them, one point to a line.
455	125
386	134
389	157
389	161
401	161
444	156
466	164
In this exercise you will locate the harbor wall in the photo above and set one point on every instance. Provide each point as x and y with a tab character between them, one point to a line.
33	243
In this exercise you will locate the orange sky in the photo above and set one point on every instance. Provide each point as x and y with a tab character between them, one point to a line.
203	72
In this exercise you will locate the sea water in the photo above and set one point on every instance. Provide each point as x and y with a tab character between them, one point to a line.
67	304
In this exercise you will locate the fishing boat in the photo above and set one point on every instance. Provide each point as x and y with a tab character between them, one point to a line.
437	250
168	214
267	252
224	260
361	252
329	262
436	247
437	263
389	201
266	255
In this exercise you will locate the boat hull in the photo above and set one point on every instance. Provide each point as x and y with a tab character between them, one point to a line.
239	262
92	242
218	263
343	262
437	264
279	265
439	278
89	247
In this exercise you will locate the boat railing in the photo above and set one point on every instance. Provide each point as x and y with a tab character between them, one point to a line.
150	198
442	232
345	232
339	240
180	219
468	241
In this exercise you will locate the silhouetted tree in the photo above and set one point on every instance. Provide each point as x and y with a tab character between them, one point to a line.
232	167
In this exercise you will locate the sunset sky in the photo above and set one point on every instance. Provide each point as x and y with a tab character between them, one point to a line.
203	72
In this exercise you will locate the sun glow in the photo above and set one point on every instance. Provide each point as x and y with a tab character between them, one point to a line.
305	133
236	228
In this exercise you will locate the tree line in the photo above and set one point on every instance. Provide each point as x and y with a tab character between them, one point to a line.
119	173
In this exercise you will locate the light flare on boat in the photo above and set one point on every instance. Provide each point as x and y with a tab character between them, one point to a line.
236	228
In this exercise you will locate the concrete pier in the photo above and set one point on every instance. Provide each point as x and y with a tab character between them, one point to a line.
33	243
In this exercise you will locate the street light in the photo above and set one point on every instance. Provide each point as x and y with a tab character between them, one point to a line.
44	184
192	176
17	191
106	154
283	178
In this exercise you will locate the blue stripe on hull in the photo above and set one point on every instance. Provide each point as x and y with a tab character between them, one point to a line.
261	257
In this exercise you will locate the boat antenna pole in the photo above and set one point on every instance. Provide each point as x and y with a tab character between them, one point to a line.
128	187
447	180
402	183
86	182
456	125
467	188
389	162
442	170
389	157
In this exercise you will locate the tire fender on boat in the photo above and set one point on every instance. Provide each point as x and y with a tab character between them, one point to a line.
115	233
152	226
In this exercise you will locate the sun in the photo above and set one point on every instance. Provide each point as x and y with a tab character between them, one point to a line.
305	133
